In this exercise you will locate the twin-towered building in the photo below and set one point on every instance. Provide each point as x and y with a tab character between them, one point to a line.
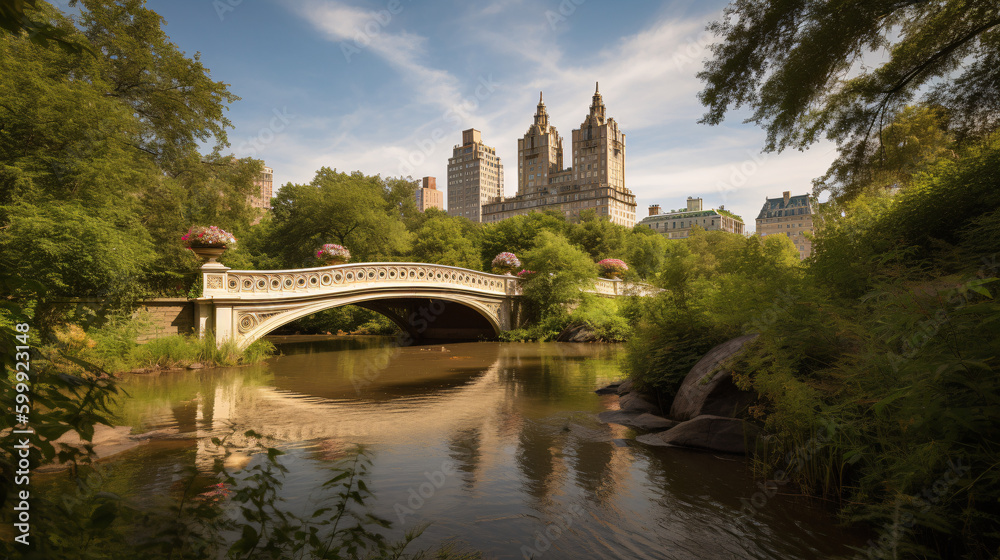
595	180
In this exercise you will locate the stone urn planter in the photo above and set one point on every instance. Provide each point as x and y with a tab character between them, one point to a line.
334	261
208	253
208	242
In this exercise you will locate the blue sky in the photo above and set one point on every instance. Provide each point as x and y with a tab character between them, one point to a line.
387	86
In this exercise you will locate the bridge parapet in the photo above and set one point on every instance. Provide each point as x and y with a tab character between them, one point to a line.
251	284
246	304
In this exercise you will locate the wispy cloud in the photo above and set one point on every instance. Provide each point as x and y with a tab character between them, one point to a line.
373	31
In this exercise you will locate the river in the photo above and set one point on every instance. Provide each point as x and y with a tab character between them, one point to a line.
493	444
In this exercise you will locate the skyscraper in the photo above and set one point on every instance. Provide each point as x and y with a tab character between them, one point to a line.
475	176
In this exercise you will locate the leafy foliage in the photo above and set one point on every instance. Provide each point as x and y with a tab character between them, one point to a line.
807	69
352	209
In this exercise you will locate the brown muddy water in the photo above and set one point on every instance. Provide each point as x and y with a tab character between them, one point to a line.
496	445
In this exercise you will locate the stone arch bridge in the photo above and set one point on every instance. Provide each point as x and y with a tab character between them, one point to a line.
427	301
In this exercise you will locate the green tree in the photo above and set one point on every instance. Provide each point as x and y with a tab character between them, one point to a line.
441	240
518	234
645	251
811	68
562	273
599	237
348	209
115	128
916	138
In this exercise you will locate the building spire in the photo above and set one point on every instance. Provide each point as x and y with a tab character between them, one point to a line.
541	116
597	110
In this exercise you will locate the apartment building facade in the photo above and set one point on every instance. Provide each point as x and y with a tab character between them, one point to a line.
791	216
428	196
475	176
677	224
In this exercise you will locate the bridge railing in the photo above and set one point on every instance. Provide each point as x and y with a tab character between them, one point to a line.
271	283
220	282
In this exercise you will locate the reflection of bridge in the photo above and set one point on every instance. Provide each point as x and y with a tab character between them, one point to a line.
427	301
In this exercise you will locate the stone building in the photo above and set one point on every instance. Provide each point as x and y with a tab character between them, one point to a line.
791	216
677	224
428	196
475	176
595	180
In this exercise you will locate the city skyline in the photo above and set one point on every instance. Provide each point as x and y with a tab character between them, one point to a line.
387	87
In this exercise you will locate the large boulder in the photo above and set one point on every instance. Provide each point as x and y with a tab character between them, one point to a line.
610	389
715	433
634	402
578	332
641	420
626	387
708	388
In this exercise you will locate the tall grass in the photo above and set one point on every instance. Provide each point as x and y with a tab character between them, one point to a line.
113	347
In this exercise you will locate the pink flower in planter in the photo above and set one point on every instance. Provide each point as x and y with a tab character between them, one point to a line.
506	262
613	267
333	251
210	236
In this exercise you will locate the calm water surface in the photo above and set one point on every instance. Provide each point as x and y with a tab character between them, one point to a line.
493	443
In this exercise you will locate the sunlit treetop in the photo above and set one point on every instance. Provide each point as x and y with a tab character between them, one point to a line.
844	69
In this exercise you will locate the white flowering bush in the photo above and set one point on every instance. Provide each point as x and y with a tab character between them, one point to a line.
506	262
333	252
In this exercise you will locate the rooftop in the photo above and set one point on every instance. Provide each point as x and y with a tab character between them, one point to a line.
777	207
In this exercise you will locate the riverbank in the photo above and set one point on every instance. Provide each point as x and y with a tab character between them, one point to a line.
113	349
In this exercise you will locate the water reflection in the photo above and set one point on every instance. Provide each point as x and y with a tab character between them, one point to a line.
519	423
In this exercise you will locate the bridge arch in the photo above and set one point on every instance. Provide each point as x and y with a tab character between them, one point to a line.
413	315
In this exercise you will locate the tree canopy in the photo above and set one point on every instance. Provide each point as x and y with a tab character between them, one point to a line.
100	156
810	68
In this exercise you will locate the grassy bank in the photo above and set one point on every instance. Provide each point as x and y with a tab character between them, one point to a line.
113	347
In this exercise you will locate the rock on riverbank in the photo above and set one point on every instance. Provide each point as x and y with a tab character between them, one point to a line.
702	415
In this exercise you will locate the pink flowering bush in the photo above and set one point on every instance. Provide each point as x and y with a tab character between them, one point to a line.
525	273
505	262
612	267
208	236
334	252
